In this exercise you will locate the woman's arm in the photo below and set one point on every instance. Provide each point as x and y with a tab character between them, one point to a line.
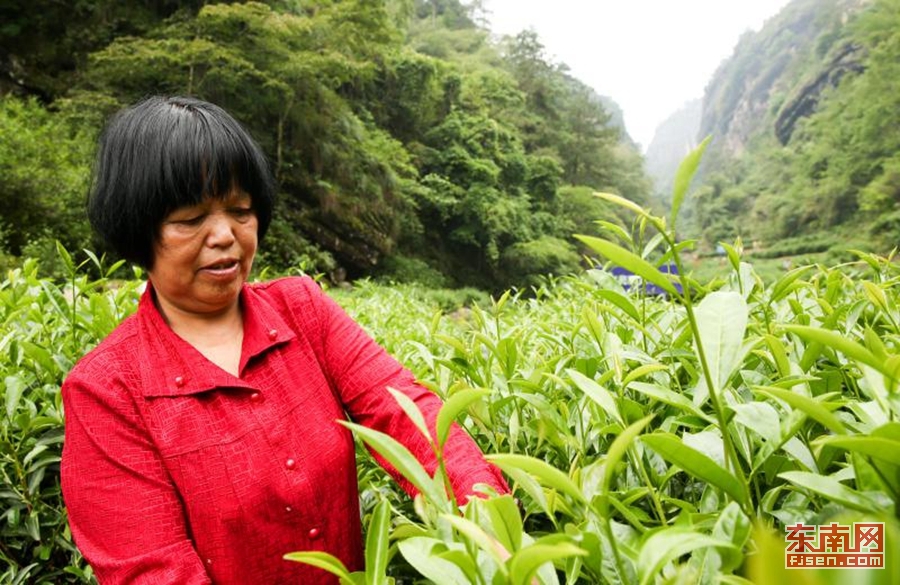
361	370
125	515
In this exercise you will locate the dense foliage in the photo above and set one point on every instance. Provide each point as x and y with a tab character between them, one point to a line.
406	142
801	116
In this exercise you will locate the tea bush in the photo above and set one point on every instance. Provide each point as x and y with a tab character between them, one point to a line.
595	402
45	326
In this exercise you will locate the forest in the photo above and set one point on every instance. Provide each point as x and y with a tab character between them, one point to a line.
407	142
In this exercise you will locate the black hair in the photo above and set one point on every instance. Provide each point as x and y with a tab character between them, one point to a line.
163	153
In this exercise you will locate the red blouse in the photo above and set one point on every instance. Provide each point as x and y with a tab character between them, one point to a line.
174	471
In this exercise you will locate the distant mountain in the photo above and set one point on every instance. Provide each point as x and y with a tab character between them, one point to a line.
617	119
673	140
805	154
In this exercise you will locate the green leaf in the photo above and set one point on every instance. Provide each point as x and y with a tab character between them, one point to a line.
482	539
623	202
810	406
877	447
761	418
505	520
786	284
620	301
617	450
544	472
672	449
890	474
657	392
530	486
454	405
641	371
402	460
721	321
526	562
832	490
15	386
65	257
686	171
378	544
598	394
844	345
412	411
622	257
734	526
423	553
324	561
669	543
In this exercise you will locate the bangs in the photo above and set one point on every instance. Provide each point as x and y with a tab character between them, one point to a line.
204	156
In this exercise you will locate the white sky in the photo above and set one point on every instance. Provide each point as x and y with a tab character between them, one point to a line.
650	56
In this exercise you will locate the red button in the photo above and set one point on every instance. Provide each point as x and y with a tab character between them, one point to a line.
256	397
313	533
179	381
290	463
273	333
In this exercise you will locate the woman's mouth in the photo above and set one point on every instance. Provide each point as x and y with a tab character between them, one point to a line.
222	269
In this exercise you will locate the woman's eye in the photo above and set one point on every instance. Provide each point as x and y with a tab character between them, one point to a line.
242	212
190	221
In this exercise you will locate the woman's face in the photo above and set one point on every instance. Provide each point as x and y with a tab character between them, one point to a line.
203	255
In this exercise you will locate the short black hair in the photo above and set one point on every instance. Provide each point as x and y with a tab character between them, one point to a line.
163	153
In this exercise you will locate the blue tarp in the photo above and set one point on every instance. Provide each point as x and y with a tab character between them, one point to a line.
629	279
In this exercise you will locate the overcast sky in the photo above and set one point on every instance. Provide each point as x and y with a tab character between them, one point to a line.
650	56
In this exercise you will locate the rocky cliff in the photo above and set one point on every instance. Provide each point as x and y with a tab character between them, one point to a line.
775	76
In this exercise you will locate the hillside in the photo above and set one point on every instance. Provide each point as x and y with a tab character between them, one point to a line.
800	161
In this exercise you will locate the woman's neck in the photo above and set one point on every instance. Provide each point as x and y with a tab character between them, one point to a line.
219	336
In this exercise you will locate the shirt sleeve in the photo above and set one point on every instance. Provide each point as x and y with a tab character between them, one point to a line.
125	514
362	371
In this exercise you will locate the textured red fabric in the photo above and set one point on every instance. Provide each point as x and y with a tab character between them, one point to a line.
175	471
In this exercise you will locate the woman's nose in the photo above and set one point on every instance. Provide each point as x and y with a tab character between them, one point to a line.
221	230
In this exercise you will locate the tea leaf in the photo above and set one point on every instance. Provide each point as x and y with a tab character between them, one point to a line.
722	322
412	411
328	562
424	554
842	344
547	474
378	544
617	451
402	460
526	562
686	171
505	520
453	406
482	539
880	448
672	449
15	386
669	543
810	406
832	489
622	257
598	394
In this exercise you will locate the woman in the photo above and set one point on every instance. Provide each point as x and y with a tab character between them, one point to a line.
201	437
